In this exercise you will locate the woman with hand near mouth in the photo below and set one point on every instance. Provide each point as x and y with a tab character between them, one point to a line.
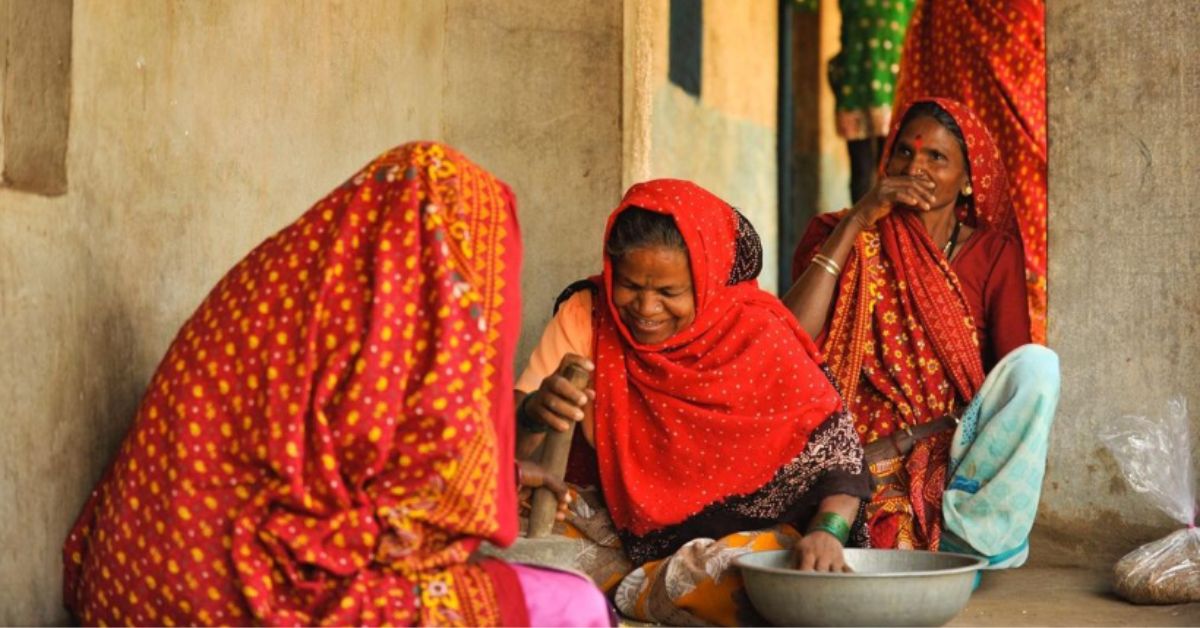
711	424
917	298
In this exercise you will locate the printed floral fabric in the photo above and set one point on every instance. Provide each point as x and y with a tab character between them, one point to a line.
902	342
863	73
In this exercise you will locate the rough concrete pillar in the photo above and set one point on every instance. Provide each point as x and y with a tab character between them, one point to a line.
1124	261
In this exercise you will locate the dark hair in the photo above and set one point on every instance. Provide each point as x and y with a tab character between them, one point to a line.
638	228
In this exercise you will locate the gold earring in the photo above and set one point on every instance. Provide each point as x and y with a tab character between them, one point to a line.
967	191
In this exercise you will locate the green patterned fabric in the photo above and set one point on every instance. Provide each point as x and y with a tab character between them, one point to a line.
998	459
863	74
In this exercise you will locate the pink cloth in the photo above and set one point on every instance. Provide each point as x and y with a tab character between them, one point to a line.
561	598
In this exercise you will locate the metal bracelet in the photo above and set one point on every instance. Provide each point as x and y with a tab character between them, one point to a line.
828	264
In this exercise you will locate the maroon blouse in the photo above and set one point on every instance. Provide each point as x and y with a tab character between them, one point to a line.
990	266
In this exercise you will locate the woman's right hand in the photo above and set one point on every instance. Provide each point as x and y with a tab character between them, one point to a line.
534	476
557	402
887	192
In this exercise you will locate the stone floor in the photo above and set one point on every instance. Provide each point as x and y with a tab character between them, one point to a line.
1067	582
1048	595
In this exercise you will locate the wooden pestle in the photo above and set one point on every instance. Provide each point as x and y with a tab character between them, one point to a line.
555	450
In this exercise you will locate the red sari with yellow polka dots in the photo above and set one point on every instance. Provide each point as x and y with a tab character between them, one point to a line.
329	436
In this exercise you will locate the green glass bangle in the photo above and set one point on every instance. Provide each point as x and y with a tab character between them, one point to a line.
832	523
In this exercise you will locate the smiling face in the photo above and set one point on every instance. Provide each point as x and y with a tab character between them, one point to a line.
652	291
926	149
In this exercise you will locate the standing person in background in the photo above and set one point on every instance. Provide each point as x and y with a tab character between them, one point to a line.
990	55
863	78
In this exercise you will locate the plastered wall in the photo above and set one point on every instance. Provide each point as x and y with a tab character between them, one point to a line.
834	194
533	91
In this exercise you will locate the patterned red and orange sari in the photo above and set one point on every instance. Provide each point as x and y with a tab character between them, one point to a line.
991	56
329	437
901	340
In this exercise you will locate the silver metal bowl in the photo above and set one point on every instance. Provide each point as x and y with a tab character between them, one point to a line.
887	588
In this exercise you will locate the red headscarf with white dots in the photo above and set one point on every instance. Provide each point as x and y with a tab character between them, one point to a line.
715	411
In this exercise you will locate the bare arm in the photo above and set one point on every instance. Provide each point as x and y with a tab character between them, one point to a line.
810	297
527	442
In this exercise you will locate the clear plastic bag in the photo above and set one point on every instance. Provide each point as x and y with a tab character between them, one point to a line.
1156	458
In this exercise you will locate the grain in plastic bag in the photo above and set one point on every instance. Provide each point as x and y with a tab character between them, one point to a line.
1156	458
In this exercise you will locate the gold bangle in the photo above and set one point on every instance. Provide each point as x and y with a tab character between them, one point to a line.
828	264
829	260
825	266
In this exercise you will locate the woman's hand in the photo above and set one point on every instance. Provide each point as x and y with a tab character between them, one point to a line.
820	551
534	476
557	402
915	192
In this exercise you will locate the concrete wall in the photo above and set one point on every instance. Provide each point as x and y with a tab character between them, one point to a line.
533	92
725	139
1124	225
820	162
198	129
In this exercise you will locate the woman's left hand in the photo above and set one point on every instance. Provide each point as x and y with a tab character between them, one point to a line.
534	476
820	551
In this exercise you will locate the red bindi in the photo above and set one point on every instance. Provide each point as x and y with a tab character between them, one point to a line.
917	142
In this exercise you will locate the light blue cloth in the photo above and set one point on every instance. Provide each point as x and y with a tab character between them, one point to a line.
998	459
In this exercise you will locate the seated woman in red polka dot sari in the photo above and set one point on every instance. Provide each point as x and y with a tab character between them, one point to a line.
711	427
329	438
918	297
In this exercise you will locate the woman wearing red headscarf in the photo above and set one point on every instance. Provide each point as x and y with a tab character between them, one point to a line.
329	437
991	56
917	295
711	413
